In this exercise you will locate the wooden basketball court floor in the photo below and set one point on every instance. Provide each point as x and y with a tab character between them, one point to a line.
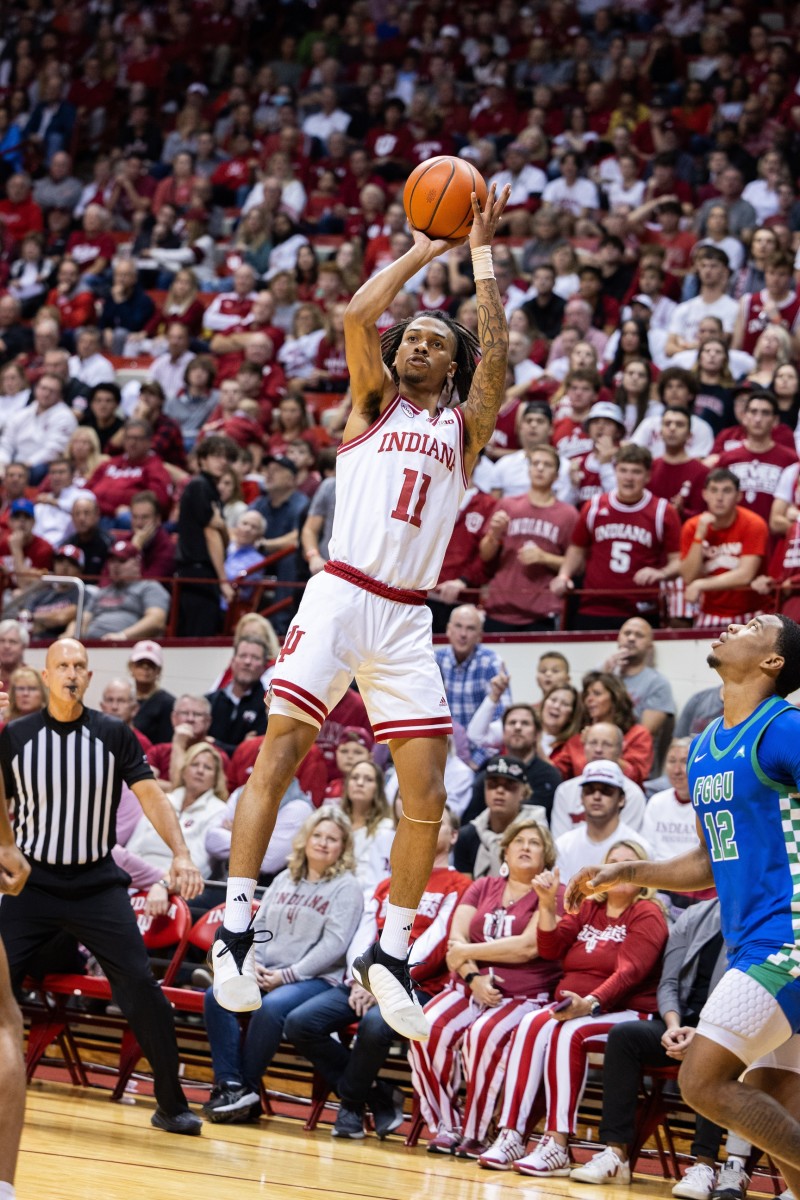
78	1146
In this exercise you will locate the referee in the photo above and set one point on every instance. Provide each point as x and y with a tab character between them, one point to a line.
64	768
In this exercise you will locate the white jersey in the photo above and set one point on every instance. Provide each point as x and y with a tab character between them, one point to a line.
398	490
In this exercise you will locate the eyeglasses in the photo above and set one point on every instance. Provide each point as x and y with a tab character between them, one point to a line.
605	789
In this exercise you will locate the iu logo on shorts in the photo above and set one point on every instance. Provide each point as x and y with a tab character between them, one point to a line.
291	642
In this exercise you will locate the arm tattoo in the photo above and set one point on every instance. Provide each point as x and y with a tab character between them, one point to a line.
488	388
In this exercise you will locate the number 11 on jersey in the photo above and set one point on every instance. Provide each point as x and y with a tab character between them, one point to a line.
403	510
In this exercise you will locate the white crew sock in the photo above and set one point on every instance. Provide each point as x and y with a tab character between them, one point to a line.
238	904
7	1191
397	930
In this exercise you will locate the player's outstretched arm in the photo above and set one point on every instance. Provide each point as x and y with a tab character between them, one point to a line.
371	383
488	389
690	872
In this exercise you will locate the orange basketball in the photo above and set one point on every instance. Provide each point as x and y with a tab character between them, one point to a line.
437	196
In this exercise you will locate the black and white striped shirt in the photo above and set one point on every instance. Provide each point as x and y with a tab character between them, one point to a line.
65	779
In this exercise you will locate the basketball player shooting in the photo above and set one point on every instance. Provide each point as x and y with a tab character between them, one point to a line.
742	1066
403	467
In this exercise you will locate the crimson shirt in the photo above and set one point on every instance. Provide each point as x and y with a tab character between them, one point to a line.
620	539
461	558
687	479
616	959
535	978
116	482
519	594
758	474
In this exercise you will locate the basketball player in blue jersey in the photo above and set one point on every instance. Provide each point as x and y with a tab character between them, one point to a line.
14	871
403	467
742	1068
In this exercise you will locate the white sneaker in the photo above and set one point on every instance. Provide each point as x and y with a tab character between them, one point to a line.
605	1167
506	1149
697	1183
390	983
732	1182
547	1159
232	958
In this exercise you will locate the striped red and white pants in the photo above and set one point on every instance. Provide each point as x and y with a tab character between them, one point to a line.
558	1053
464	1034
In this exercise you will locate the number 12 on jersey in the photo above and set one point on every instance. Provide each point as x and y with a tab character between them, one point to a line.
722	835
411	500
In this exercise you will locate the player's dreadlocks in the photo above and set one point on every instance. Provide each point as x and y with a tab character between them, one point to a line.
466	357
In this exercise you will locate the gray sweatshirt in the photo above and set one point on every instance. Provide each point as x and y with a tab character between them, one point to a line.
312	924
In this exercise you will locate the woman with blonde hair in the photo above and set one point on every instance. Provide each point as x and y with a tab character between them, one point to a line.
305	923
26	694
199	803
610	953
772	350
83	451
364	802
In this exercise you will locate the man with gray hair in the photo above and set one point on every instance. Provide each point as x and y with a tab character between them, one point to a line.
119	700
39	433
191	721
14	641
601	741
468	669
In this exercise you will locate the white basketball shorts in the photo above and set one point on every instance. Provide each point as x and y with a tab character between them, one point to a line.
741	1015
343	631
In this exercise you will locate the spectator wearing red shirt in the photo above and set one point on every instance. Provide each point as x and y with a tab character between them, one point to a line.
23	556
462	566
138	469
777	304
155	545
132	192
229	309
759	461
390	145
92	246
19	214
523	547
677	243
722	551
72	298
675	476
625	540
191	721
494	114
167	438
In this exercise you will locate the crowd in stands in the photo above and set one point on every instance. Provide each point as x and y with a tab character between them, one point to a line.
192	198
518	993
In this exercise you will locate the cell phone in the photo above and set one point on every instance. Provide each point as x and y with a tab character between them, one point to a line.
562	1006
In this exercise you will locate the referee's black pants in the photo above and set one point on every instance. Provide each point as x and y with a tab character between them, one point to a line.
92	905
631	1046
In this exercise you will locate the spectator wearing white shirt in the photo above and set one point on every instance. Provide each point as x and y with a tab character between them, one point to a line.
602	787
629	189
364	802
713	273
572	191
525	370
53	509
231	308
526	182
669	818
88	365
39	433
762	193
511	474
169	369
327	119
603	740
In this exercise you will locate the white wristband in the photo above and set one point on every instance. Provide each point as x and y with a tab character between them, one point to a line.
482	265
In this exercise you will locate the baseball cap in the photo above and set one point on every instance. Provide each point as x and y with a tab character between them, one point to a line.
72	552
355	733
283	461
124	551
147	652
604	408
603	771
200	88
22	508
645	301
508	767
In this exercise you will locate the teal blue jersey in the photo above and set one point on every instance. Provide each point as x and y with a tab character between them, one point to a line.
744	785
